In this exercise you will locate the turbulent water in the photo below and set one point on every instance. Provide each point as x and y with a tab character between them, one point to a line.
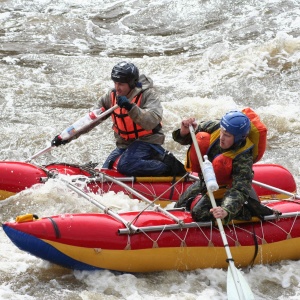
205	57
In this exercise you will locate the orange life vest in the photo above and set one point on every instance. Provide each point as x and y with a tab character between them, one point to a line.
222	164
257	134
123	124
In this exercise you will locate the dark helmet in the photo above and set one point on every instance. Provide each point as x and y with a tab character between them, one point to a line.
125	72
236	123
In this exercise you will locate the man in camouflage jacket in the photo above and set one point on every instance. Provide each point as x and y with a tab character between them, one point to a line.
232	204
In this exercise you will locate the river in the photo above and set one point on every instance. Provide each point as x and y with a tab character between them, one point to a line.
205	58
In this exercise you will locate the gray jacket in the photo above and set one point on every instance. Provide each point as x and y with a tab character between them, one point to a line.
148	115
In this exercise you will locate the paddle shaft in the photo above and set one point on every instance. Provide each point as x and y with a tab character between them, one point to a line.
272	188
140	196
107	210
47	149
219	222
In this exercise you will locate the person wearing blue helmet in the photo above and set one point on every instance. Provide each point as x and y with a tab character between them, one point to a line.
228	147
236	124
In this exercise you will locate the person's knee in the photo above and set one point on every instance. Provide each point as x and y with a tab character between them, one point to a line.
201	216
201	212
122	167
113	156
127	167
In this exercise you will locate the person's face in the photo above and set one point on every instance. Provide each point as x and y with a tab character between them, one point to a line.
226	139
122	89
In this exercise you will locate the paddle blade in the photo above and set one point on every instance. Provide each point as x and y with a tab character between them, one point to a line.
239	290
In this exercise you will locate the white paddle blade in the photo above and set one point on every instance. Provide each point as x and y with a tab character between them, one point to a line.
233	293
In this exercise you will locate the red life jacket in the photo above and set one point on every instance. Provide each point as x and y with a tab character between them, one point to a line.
222	163
123	124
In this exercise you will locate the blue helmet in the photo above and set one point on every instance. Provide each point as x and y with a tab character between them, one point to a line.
125	72
237	124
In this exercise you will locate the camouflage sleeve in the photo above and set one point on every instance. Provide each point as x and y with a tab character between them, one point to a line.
208	126
237	195
182	140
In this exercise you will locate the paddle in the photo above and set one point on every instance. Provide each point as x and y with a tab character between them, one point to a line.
107	210
272	188
143	198
47	149
237	286
130	228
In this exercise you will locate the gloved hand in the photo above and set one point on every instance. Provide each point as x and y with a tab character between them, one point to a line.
123	102
57	141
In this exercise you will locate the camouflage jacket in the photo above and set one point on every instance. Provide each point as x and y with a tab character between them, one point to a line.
242	174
